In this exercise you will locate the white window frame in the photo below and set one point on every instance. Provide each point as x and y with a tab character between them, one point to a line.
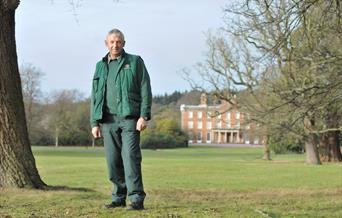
219	124
237	123
228	124
190	114
208	139
190	124
199	136
199	125
208	125
199	114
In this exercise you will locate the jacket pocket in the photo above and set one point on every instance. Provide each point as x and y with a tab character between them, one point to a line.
96	83
134	101
134	98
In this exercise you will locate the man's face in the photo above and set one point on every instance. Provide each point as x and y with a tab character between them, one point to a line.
115	45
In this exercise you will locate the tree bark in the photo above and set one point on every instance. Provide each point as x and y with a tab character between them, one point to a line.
56	139
333	142
311	150
324	148
17	164
330	142
334	146
267	152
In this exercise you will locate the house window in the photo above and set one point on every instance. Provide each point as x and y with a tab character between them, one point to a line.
228	121
199	114
199	137
190	124
228	124
219	124
190	114
246	138
237	115
237	123
208	125
199	125
208	136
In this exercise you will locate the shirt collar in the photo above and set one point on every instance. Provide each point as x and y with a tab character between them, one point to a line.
109	57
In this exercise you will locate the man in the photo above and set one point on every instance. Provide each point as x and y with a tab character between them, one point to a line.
121	104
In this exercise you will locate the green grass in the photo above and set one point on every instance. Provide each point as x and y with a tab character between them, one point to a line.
190	182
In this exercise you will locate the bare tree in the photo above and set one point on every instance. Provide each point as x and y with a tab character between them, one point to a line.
63	103
30	81
279	56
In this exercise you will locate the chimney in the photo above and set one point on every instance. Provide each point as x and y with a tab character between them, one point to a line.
203	99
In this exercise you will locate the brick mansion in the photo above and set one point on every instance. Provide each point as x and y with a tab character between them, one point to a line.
218	123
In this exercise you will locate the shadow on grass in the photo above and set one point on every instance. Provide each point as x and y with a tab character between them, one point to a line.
66	188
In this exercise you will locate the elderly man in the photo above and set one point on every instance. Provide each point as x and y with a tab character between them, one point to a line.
121	105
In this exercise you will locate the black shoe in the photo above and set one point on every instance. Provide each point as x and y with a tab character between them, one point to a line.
114	205
135	206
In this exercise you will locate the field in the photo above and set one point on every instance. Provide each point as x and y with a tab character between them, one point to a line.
189	182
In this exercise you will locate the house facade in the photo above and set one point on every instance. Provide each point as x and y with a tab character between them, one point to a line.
216	124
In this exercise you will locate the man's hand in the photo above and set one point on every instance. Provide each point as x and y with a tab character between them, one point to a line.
141	124
96	132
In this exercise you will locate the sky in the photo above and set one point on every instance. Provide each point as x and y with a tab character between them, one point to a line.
65	42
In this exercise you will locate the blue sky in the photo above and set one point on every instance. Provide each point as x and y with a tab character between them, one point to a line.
66	44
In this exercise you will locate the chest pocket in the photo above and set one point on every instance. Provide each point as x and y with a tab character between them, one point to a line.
130	80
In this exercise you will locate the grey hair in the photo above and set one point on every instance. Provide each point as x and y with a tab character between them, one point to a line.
117	32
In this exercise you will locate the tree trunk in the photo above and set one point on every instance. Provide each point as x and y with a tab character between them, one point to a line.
329	147
56	138
17	164
333	142
324	148
267	153
330	142
334	145
311	150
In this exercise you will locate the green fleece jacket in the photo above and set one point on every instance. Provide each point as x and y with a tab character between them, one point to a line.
134	96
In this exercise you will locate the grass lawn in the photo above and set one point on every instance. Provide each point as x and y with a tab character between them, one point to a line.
189	182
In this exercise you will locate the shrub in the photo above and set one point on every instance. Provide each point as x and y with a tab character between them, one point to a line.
154	140
166	134
281	144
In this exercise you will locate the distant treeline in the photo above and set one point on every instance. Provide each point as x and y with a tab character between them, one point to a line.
167	98
61	118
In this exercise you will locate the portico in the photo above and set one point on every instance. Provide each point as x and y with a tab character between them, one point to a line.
227	136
